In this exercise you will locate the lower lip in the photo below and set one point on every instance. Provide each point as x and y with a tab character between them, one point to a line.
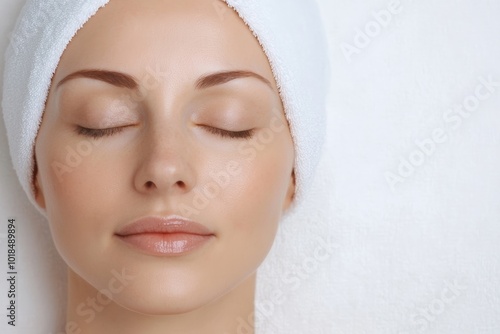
166	244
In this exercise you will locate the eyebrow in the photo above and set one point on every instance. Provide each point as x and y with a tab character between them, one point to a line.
117	79
124	80
220	78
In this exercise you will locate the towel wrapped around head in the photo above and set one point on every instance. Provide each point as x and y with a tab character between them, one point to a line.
289	32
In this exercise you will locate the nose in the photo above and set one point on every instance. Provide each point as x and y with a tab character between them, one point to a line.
165	164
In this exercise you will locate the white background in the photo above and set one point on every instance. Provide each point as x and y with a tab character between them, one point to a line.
401	248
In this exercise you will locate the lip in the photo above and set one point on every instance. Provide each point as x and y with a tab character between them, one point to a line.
165	236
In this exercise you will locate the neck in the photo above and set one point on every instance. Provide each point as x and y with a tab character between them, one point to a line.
230	314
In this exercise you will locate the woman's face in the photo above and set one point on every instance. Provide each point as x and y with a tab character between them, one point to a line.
164	130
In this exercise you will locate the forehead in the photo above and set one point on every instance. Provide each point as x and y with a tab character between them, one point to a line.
180	37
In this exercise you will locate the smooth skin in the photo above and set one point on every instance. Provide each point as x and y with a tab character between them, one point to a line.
215	149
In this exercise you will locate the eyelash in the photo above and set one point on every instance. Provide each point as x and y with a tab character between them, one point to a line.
245	134
99	133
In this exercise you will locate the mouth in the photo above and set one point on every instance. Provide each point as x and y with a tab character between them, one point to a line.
165	236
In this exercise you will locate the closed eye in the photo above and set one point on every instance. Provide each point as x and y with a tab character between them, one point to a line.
98	133
245	134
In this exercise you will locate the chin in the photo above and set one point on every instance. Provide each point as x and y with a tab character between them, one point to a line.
164	301
168	291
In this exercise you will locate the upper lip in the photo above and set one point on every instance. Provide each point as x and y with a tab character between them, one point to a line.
168	224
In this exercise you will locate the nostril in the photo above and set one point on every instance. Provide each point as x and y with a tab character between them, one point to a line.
181	184
149	185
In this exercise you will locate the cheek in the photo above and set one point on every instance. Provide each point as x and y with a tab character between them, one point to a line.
71	175
252	203
265	176
78	188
